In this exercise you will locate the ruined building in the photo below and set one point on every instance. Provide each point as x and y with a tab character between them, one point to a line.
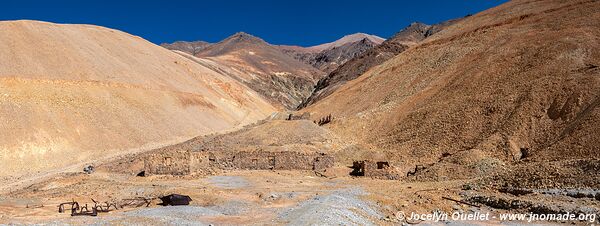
374	169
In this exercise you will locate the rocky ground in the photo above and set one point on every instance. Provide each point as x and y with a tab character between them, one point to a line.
278	198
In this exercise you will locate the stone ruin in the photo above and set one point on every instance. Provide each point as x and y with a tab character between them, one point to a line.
172	162
325	120
374	169
186	162
303	116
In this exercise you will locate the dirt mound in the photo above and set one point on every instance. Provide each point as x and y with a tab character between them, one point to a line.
519	81
582	173
294	135
71	93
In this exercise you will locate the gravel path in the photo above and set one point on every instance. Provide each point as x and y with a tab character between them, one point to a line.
175	215
340	207
229	182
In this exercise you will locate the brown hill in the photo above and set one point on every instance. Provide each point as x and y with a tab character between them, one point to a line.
514	84
370	57
73	93
327	57
282	80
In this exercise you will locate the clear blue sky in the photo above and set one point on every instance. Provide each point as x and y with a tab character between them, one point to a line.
300	22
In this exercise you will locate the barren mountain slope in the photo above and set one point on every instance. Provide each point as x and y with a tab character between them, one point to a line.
74	93
280	78
192	48
347	39
516	83
365	60
327	57
330	59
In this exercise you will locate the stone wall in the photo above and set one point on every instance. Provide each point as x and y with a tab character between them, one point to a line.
186	162
199	162
266	160
323	161
172	162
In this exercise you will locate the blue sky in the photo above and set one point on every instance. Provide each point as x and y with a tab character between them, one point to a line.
305	23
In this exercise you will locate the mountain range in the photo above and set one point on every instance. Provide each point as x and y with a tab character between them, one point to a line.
284	75
370	57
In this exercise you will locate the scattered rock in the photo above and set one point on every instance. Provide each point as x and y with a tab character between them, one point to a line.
515	191
88	169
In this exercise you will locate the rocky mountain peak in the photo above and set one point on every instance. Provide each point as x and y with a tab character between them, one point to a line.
243	37
351	38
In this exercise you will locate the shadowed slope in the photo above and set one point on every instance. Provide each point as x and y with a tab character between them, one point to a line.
282	80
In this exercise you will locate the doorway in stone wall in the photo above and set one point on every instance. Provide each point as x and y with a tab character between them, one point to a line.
254	164
271	162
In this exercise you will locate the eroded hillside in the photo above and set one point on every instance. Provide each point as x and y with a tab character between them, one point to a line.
283	81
